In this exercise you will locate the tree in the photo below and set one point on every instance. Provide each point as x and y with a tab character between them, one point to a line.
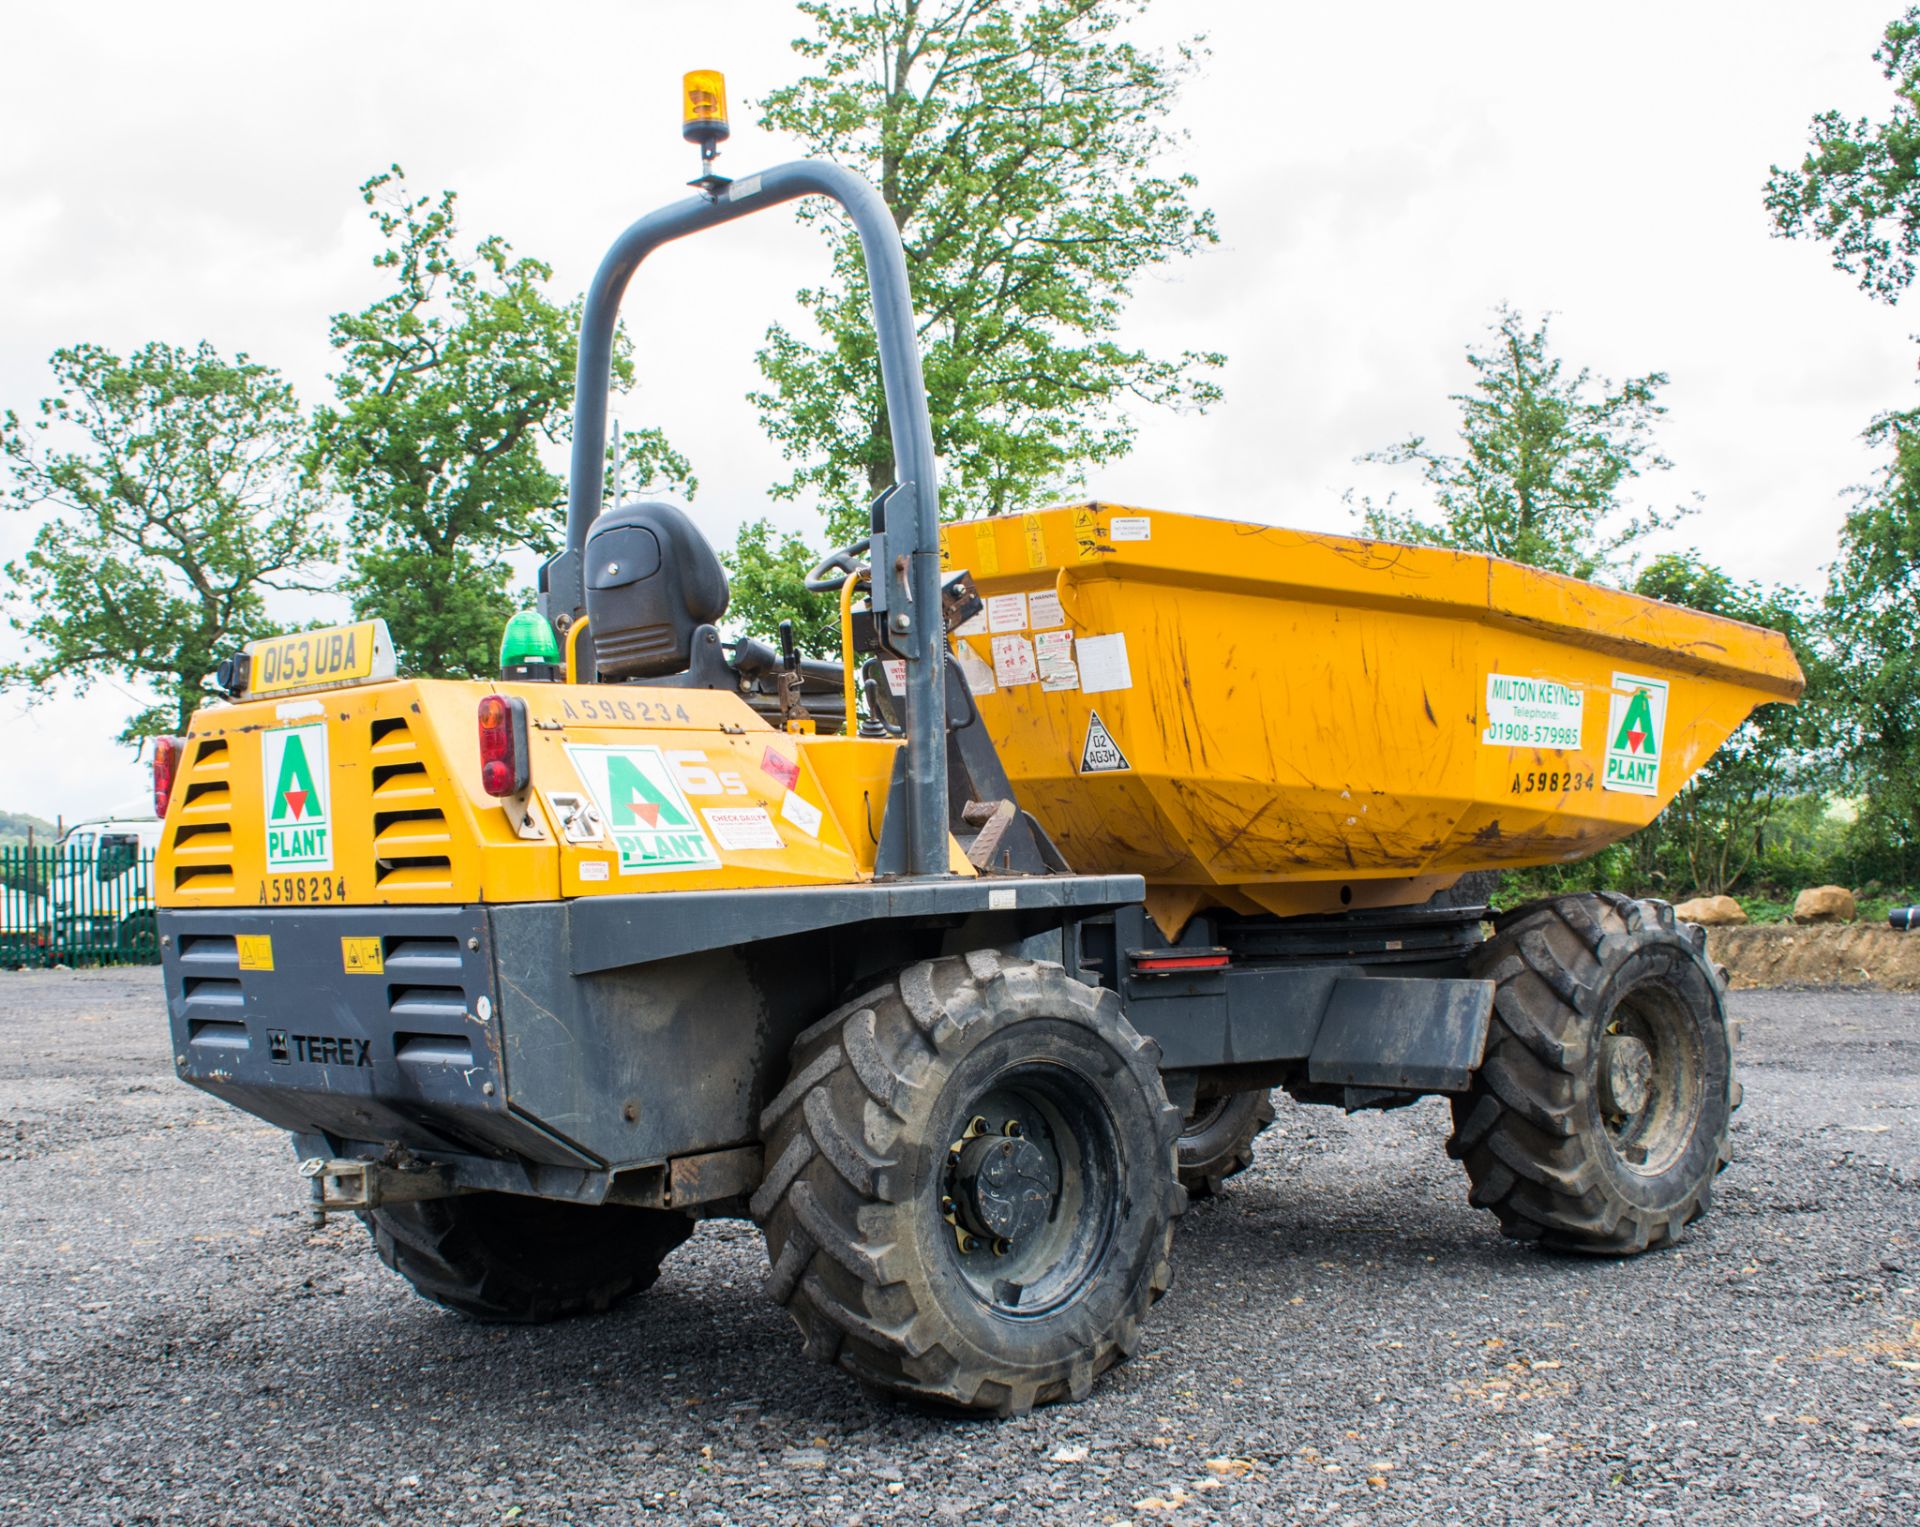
176	503
1873	625
1715	831
451	389
1858	188
767	575
1017	144
1546	465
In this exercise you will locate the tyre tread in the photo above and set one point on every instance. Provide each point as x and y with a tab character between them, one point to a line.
833	1261
1517	1130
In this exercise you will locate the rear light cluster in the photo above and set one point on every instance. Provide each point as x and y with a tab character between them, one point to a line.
167	753
503	745
1167	963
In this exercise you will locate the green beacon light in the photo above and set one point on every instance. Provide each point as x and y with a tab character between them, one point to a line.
529	652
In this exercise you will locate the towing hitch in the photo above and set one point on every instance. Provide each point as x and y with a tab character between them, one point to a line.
340	1186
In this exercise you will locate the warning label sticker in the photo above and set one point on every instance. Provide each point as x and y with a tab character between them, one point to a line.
742	827
1101	754
1013	661
1089	540
974	669
362	957
1103	663
1636	724
1036	541
1053	650
1007	612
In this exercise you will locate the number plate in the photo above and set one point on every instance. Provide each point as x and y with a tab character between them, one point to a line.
326	659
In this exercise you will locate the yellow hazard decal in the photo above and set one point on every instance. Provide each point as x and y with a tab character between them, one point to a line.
255	950
1089	540
1036	541
361	957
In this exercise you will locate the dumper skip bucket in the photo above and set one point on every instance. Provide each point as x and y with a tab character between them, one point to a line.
1269	720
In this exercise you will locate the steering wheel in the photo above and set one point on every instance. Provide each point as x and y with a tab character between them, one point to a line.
836	567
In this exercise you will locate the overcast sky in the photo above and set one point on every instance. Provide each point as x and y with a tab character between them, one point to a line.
1383	176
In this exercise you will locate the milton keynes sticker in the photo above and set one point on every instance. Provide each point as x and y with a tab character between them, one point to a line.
1101	754
1636	724
652	825
299	797
1532	713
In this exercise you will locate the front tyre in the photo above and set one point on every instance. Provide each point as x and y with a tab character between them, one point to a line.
970	1185
1601	1114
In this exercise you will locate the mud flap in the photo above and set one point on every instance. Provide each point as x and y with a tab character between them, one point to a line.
1415	1034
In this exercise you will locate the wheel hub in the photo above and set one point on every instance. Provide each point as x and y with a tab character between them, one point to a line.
1005	1187
1626	1074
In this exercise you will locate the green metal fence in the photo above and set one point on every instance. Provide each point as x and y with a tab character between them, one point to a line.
88	904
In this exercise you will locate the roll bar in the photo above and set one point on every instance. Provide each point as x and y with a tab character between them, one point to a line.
906	549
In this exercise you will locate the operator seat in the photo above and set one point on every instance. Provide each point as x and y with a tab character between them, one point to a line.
653	583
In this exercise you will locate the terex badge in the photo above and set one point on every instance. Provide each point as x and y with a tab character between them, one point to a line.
299	796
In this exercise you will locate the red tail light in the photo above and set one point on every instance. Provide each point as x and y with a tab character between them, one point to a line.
503	745
167	753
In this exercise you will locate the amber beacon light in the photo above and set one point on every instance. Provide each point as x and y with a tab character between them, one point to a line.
703	112
703	120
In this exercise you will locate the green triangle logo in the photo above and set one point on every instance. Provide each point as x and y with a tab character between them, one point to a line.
1635	736
636	800
295	798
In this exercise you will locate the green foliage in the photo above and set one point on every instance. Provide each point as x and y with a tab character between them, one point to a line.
1858	191
1715	833
1546	463
174	499
1873	617
768	572
1858	188
1608	870
1017	145
452	387
16	826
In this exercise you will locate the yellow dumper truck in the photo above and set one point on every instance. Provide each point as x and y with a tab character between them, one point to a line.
959	990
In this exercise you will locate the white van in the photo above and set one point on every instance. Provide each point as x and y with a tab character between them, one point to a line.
102	887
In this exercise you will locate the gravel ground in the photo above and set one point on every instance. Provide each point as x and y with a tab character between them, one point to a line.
1346	1339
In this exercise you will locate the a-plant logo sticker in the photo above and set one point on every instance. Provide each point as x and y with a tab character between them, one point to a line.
653	827
299	797
1636	727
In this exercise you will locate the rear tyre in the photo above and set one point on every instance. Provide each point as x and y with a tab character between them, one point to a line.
1601	1114
506	1257
1216	1141
971	1185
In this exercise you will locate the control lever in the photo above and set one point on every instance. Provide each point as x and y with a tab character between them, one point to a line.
794	715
